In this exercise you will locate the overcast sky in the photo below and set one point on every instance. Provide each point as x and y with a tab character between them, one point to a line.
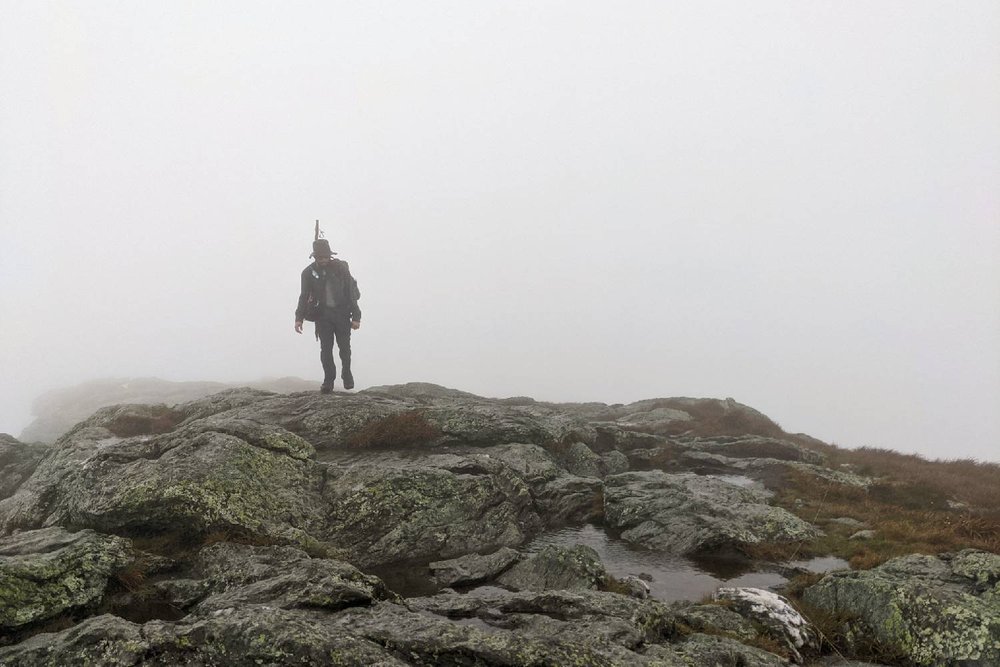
795	204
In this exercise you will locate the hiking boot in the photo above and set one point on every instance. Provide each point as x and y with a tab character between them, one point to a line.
326	389
348	380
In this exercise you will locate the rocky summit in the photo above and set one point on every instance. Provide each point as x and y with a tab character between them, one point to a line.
393	527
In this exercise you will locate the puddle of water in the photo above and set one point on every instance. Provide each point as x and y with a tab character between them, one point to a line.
673	577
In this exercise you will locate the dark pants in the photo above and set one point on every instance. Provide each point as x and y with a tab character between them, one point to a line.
330	329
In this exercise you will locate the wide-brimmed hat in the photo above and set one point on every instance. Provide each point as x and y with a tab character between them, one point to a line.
321	248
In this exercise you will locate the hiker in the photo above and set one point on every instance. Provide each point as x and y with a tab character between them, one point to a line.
329	297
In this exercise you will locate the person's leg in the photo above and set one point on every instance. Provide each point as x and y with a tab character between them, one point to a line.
344	346
327	334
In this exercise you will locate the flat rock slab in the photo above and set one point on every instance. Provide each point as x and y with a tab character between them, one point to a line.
685	513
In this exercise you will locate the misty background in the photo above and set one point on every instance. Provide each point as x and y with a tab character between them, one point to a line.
792	204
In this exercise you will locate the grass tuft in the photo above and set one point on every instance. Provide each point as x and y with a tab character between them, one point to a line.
406	429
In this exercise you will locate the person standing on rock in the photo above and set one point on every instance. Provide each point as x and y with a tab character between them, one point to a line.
329	297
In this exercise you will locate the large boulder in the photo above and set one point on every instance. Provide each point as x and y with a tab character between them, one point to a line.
378	513
685	513
49	572
934	610
204	476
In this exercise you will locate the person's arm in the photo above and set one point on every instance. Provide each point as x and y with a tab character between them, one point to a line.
300	308
355	308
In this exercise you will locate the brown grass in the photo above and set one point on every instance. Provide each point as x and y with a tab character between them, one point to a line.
905	519
131	578
406	429
965	480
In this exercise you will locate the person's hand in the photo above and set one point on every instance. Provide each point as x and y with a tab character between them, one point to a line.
298	326
355	324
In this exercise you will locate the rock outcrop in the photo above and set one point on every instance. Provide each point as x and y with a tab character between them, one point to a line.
244	528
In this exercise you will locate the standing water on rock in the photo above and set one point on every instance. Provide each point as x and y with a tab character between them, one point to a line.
671	577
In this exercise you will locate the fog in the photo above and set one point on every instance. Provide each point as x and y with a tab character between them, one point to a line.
792	204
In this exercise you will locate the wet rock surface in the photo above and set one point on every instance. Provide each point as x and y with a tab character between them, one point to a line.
269	513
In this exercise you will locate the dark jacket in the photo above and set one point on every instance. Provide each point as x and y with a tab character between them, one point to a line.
319	284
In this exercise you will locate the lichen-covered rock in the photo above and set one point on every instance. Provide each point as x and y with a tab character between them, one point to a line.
48	572
580	460
756	447
614	463
776	615
473	568
588	618
934	610
100	640
685	513
700	649
230	473
717	619
379	514
197	478
281	577
486	628
560	498
554	567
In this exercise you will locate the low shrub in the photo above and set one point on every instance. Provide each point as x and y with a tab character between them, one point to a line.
158	419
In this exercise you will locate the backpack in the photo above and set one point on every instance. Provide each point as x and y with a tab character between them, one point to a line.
311	312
